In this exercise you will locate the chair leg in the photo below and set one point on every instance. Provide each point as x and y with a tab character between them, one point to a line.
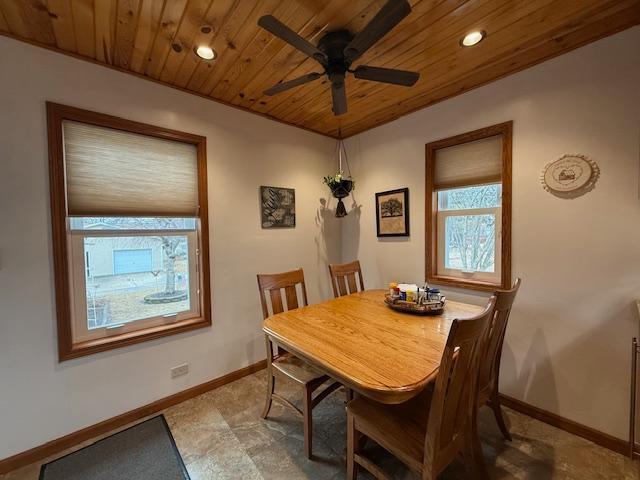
348	394
307	422
474	459
352	467
494	403
271	383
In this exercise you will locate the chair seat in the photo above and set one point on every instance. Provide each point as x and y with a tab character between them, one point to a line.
297	369
400	429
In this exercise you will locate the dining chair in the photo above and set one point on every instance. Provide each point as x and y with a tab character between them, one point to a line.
429	431
489	372
343	275
284	363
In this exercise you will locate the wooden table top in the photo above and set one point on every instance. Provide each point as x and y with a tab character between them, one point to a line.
386	355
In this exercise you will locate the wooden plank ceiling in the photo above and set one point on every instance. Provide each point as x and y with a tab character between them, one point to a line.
156	39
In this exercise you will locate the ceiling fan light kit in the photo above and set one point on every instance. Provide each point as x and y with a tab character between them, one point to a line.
338	49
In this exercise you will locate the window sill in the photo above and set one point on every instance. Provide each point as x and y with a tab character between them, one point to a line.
90	347
470	284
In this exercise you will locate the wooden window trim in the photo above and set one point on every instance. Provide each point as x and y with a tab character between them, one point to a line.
431	208
67	349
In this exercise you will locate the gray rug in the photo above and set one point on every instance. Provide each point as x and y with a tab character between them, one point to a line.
145	451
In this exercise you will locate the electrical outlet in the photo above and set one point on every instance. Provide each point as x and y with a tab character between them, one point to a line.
180	370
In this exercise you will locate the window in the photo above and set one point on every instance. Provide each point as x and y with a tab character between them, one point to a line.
129	231
468	205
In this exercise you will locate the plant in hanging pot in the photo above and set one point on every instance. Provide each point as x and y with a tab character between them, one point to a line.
341	187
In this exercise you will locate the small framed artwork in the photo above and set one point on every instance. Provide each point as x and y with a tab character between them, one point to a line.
278	207
392	213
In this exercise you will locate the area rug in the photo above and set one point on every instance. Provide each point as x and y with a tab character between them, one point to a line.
146	451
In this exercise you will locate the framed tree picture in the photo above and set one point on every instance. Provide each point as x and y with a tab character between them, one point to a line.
278	207
392	213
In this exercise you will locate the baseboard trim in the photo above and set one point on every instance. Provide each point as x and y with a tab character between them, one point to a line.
60	444
599	438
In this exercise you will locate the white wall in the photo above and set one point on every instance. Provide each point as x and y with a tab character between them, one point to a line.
568	342
41	399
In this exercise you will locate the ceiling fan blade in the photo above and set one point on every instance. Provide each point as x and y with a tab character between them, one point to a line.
339	96
280	30
388	17
387	75
282	86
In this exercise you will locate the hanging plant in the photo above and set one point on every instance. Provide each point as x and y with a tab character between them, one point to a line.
341	186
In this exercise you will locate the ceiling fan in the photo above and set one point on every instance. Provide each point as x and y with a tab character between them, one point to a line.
337	50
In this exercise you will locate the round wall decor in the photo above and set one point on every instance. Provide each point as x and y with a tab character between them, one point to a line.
570	176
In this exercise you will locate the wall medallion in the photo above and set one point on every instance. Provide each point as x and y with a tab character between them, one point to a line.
570	176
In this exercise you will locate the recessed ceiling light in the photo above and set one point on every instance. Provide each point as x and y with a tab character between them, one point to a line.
472	38
205	52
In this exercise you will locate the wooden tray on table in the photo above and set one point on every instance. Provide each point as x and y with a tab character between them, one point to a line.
431	308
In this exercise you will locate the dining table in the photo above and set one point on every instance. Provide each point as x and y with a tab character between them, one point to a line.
358	340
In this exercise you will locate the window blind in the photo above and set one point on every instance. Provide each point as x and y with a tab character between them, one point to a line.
111	172
472	163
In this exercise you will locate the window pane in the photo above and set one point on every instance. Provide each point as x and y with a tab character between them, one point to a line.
470	242
481	196
135	277
132	223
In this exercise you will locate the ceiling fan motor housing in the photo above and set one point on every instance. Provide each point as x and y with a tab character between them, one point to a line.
333	45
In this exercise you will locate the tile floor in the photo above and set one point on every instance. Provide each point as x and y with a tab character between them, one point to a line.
221	436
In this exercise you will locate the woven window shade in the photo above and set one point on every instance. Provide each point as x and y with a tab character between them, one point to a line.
115	173
473	163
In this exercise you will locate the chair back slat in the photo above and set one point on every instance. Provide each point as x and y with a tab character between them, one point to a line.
343	278
274	283
454	396
276	301
291	296
351	280
490	363
342	286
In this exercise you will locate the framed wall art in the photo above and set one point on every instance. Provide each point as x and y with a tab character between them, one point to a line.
392	213
278	207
